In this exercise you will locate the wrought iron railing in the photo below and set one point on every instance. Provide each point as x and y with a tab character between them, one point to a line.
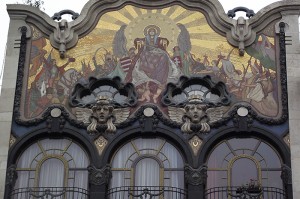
50	193
146	192
244	193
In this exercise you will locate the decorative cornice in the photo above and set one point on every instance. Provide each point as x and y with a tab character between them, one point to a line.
132	100
94	9
99	176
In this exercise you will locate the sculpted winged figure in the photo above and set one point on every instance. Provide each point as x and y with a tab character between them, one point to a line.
102	113
196	113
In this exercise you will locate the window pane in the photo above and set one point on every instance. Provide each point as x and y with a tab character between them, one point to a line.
52	173
242	171
147	173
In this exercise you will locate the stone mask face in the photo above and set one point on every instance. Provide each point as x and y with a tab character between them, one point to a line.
196	112
102	111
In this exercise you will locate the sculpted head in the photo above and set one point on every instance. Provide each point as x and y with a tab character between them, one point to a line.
103	109
195	114
195	110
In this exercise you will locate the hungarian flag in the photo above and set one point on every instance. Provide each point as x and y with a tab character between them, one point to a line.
264	51
126	64
177	61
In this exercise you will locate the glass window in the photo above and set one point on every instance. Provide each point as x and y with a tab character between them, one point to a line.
58	165
151	164
241	162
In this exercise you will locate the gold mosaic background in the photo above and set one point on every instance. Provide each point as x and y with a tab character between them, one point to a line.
122	45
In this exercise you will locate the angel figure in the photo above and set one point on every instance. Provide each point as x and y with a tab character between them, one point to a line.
196	113
101	113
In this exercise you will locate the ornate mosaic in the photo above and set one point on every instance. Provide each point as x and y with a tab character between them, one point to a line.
150	48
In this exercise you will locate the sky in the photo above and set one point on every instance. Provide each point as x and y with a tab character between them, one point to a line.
53	6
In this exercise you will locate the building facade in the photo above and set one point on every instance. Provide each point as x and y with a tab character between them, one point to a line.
151	99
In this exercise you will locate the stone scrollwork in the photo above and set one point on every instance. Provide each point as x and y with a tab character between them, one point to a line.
197	176
99	176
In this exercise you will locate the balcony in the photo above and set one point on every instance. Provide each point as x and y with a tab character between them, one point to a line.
245	193
50	193
149	192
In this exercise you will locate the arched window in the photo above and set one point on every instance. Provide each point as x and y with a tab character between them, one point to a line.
239	163
145	167
52	167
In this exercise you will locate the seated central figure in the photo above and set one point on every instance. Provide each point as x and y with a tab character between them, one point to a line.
153	65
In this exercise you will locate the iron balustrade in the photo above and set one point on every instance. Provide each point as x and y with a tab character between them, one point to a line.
49	193
146	192
245	193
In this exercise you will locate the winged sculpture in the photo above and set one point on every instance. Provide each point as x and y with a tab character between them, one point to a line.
196	114
102	112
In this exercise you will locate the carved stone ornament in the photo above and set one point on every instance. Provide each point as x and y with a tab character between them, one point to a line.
241	31
12	140
99	176
286	174
101	113
100	143
195	177
11	175
102	103
287	140
196	112
195	144
85	93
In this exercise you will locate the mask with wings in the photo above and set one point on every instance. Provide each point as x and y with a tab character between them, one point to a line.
101	113
196	116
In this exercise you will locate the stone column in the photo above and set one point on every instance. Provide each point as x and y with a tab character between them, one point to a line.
8	92
98	181
196	180
290	18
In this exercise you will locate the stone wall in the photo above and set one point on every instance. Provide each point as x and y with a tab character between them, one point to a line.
293	81
8	93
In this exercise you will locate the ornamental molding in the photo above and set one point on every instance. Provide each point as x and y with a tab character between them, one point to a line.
266	120
64	35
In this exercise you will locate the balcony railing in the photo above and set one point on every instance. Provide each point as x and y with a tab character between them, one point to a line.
244	193
49	193
146	192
